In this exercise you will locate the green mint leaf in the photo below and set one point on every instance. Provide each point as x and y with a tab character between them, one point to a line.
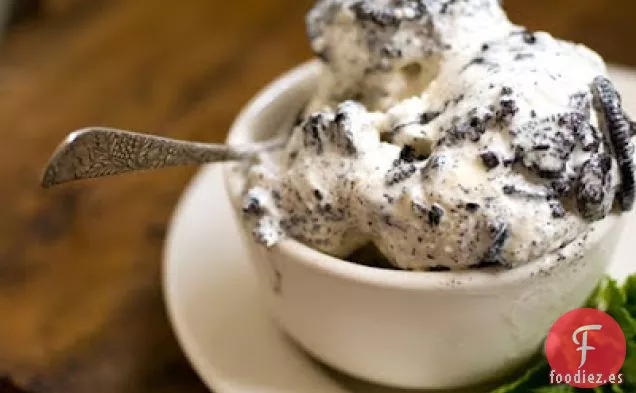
613	294
597	297
629	367
619	302
617	389
629	288
625	320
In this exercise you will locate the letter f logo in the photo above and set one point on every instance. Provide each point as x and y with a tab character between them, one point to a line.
583	345
570	341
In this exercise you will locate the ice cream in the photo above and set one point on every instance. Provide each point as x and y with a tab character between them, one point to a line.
447	137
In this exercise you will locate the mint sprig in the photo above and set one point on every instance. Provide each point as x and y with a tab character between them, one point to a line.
617	300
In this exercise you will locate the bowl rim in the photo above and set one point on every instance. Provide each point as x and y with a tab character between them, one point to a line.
472	280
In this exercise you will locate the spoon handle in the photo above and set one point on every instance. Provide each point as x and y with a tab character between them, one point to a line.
96	152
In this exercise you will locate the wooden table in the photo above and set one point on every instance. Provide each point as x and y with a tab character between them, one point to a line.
81	306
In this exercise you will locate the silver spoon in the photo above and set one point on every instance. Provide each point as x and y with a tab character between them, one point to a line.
96	151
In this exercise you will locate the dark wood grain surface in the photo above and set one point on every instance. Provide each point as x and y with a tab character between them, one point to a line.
81	305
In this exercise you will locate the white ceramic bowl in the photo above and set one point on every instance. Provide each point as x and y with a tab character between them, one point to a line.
406	329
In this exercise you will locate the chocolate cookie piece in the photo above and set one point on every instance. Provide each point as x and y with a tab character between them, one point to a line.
618	127
587	135
594	195
508	110
545	145
252	206
341	134
490	159
557	209
313	129
390	14
428	117
435	214
561	187
325	130
527	191
403	167
466	128
529	37
399	172
439	268
581	101
494	257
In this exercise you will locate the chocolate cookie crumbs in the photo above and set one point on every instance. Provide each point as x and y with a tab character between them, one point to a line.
552	141
527	192
407	154
428	117
476	61
390	15
494	255
557	209
589	137
472	207
529	37
399	173
523	56
561	187
445	6
483	265
507	111
439	268
506	91
435	214
313	127
252	206
509	189
594	196
509	162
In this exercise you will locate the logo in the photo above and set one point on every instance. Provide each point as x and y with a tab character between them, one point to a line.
586	349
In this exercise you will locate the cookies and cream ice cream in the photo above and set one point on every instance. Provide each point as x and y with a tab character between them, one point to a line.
446	136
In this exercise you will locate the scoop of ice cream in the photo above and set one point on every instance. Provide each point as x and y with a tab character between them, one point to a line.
510	149
311	193
381	51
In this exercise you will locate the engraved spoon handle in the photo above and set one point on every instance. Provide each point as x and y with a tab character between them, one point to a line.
95	152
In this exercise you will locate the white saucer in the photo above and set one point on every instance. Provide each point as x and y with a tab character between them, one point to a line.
214	306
